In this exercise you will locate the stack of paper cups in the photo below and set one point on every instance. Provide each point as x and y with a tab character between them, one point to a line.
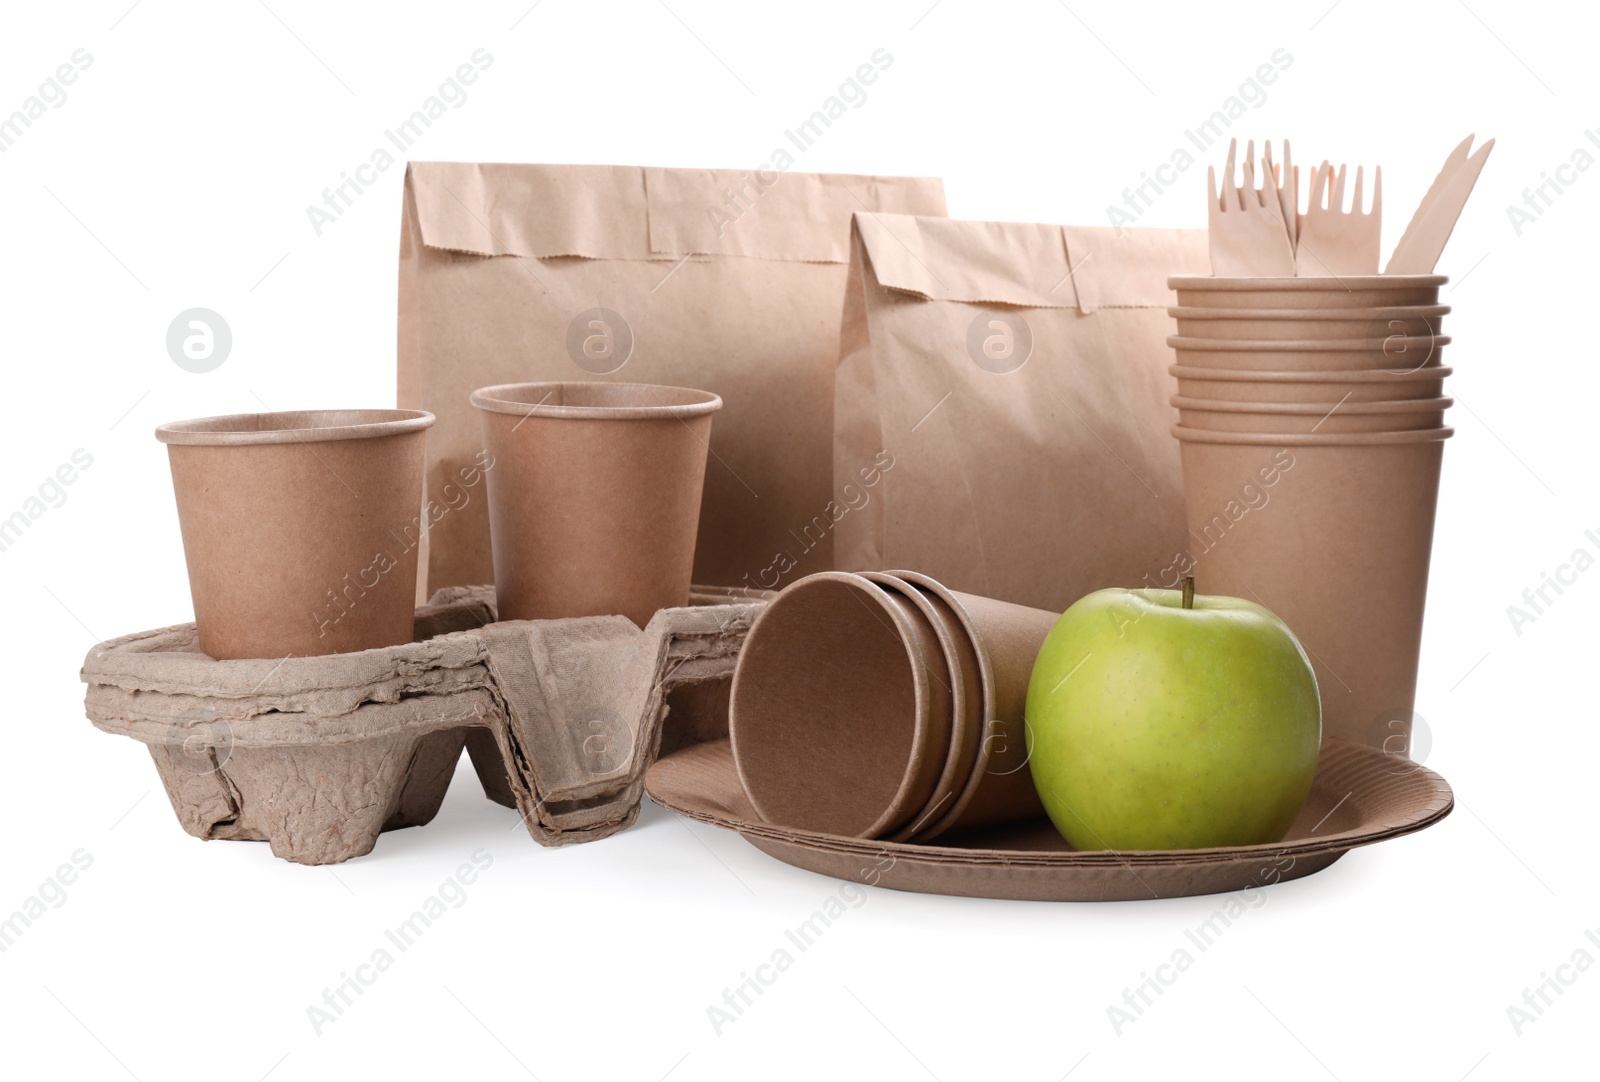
884	705
1311	425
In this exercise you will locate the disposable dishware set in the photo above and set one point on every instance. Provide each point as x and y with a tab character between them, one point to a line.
853	754
846	682
1319	396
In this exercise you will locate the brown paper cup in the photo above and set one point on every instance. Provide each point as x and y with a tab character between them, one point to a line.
1312	439
594	495
1369	385
948	693
1339	550
300	529
1351	291
1331	417
1395	354
831	709
967	741
1297	324
1007	638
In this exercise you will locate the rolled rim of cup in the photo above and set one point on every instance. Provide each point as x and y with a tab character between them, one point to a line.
1308	345
292	426
1354	375
1350	283
1312	439
592	400
949	702
888	759
1222	405
1338	315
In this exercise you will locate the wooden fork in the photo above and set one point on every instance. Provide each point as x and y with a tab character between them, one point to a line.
1333	241
1247	232
1287	180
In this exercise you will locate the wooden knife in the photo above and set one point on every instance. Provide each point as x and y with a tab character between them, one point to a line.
1435	218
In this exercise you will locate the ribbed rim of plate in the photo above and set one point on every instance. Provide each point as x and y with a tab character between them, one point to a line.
1400	796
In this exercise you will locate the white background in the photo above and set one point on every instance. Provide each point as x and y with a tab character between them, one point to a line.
176	175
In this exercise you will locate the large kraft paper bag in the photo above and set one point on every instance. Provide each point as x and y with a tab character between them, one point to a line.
1004	388
718	280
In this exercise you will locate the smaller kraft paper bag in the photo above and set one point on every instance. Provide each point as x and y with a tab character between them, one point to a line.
1004	389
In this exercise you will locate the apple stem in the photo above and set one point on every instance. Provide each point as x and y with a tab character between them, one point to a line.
1188	591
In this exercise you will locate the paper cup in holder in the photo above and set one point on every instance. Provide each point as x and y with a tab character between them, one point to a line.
594	495
300	529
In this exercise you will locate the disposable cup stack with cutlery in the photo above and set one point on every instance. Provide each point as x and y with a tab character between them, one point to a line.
1311	419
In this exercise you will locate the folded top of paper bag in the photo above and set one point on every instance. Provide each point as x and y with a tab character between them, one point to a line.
636	212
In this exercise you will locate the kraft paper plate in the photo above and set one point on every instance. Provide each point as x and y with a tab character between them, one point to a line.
1361	795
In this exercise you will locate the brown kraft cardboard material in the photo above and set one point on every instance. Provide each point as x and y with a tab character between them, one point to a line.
594	496
1337	543
1007	384
1396	353
720	280
843	712
1331	417
1007	639
319	755
832	708
300	529
1350	291
953	680
1370	385
1298	324
1029	860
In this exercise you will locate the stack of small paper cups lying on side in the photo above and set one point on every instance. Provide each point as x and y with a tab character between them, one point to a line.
1311	425
885	706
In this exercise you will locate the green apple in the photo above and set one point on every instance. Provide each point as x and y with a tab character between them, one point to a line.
1162	720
